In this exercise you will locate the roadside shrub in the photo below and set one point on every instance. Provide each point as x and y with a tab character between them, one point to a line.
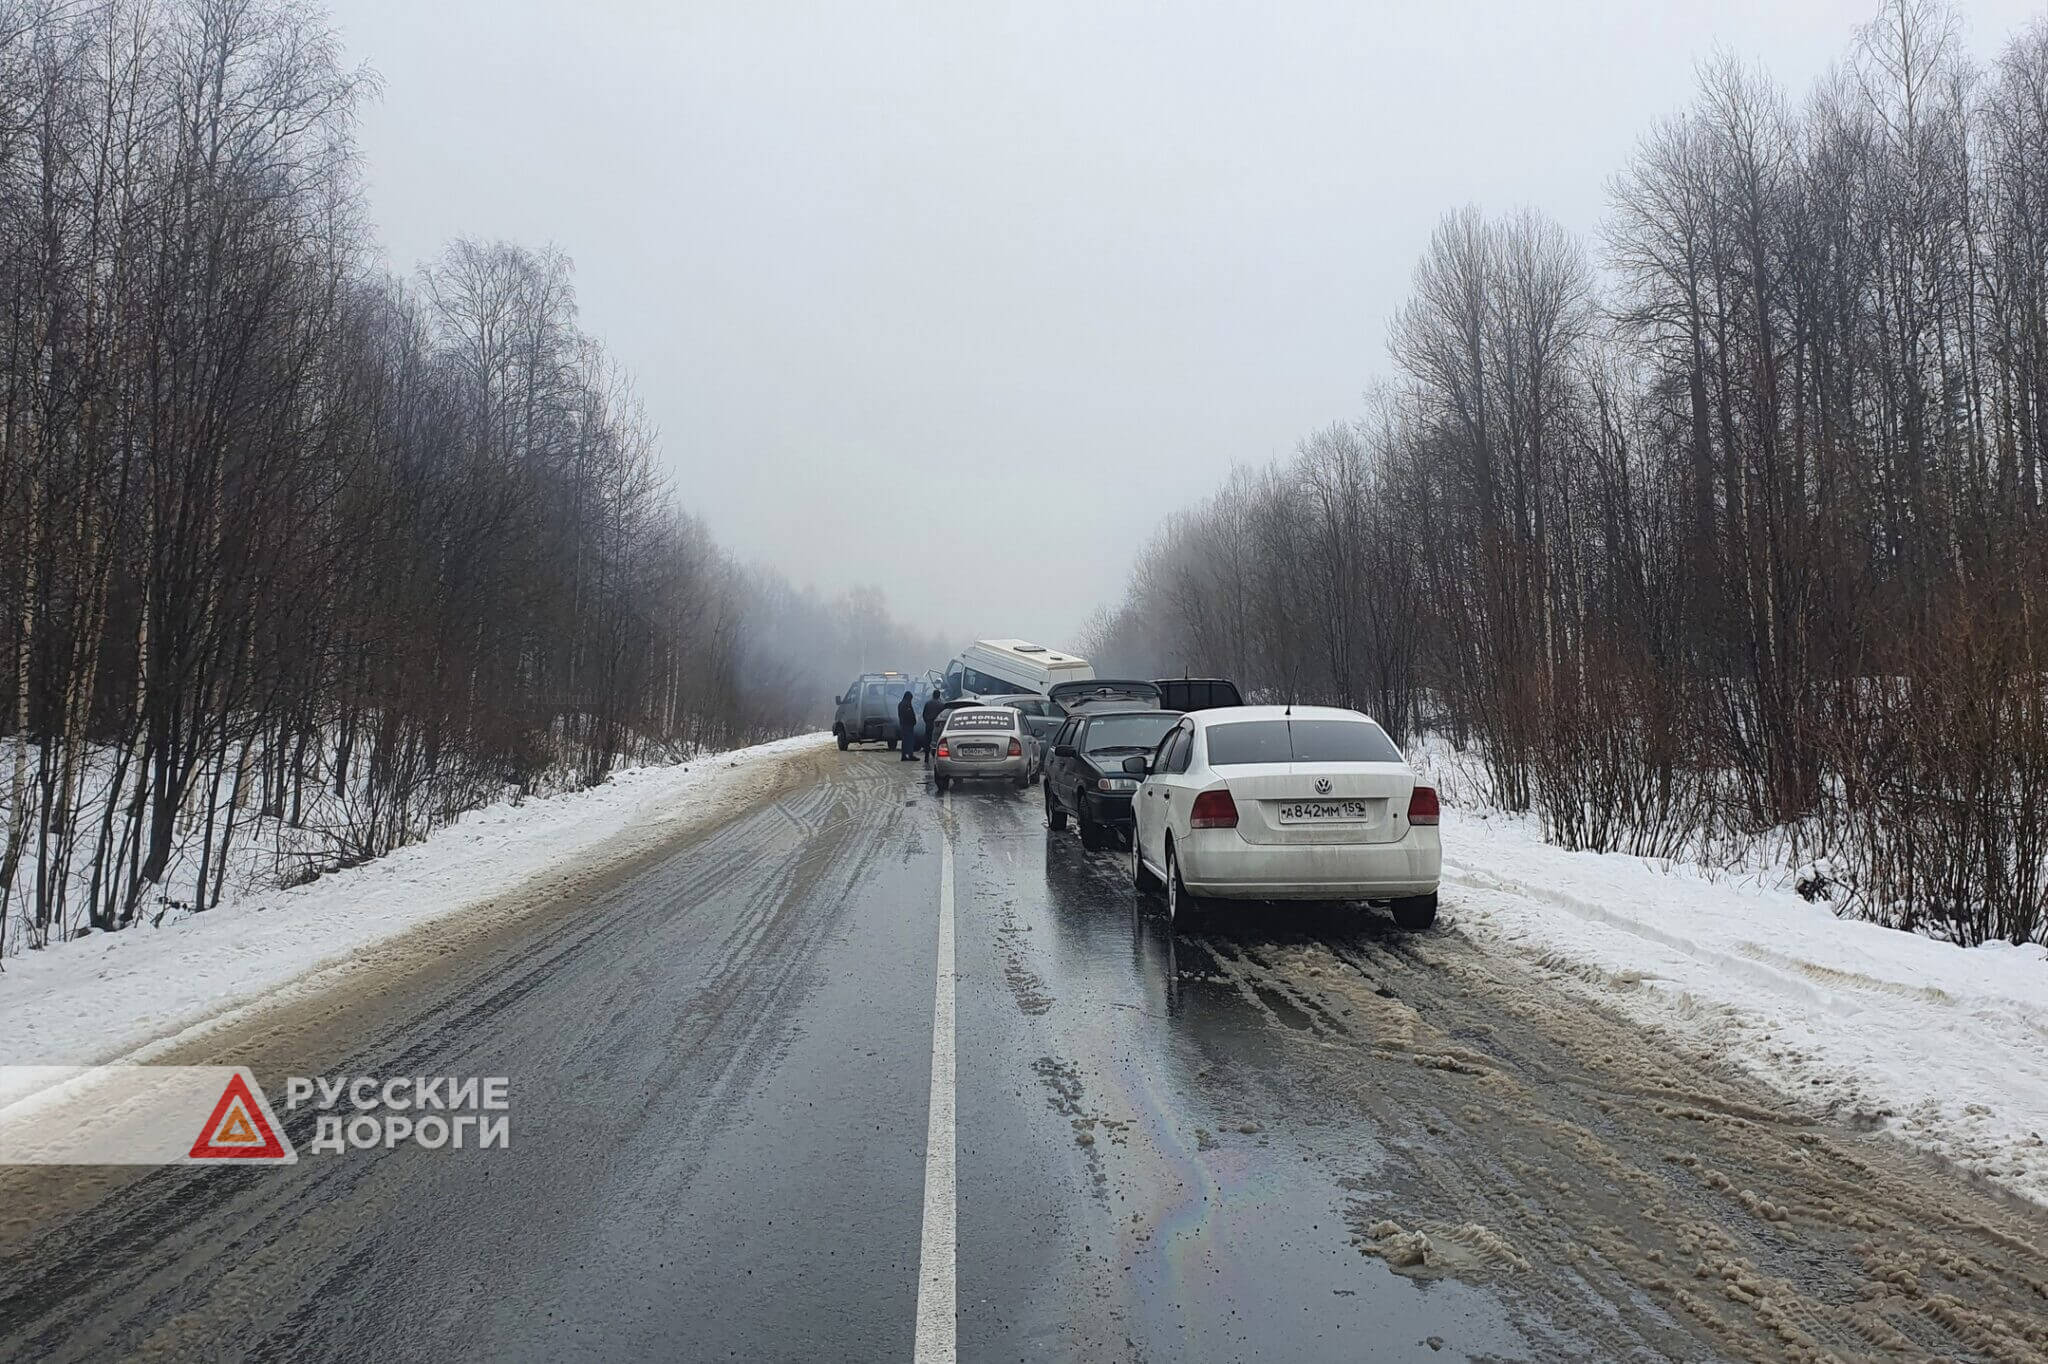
1619	767
1939	812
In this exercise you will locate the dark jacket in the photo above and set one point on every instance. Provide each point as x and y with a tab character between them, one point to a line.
906	715
931	713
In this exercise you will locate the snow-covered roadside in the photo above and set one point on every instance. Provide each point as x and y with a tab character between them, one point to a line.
1947	1046
121	995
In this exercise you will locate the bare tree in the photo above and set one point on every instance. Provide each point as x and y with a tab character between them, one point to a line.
1754	543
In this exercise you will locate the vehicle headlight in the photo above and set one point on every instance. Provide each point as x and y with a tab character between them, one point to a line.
1116	783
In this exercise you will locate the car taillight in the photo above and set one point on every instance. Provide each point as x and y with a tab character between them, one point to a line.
942	753
1016	749
1213	810
1422	805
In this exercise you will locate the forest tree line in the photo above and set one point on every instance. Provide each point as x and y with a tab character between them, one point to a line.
1728	523
288	543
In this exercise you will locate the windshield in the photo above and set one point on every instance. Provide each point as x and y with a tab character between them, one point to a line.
1300	741
1136	732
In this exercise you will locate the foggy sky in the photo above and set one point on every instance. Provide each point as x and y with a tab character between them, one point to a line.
960	299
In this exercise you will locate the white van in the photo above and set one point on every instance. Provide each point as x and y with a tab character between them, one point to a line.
1000	667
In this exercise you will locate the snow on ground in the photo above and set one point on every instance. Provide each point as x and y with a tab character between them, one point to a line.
127	995
1948	1047
1945	1046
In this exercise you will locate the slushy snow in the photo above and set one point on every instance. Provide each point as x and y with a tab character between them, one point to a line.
1945	1046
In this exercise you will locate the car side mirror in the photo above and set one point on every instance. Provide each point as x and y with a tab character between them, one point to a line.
1137	764
1063	750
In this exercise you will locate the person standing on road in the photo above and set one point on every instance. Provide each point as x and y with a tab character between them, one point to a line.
906	727
931	722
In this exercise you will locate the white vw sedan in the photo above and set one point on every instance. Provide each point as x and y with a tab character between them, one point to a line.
1284	803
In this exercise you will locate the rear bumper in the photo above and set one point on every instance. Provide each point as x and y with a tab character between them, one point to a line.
1220	864
1107	807
967	769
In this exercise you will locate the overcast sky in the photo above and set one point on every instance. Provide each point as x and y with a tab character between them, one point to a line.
961	298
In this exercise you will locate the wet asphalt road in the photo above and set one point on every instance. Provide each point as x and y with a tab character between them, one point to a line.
1193	1146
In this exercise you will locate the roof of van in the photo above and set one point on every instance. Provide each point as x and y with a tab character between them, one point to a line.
1024	648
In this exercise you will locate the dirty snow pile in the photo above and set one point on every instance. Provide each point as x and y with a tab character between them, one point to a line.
106	995
1946	1046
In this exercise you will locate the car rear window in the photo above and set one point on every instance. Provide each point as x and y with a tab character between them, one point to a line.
1202	693
980	719
1138	733
1300	741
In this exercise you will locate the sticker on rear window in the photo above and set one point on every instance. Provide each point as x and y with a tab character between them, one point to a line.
980	719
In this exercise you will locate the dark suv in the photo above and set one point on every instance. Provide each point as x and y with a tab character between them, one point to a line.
1085	775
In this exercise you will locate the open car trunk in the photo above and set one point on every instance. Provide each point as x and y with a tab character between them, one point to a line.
1122	691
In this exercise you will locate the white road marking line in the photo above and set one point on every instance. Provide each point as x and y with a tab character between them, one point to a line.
937	1319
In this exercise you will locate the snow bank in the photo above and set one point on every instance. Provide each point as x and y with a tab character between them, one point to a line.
109	994
1946	1046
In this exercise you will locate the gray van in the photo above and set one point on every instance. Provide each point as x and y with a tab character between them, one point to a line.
867	713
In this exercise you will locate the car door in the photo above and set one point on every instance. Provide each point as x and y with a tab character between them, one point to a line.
1059	771
1047	728
1077	770
1173	789
1157	796
878	705
1144	824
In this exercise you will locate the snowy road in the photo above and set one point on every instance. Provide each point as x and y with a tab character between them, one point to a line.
1232	1144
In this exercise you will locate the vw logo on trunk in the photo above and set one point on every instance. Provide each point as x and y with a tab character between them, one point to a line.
1322	786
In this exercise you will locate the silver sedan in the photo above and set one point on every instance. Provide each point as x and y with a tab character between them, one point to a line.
981	743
